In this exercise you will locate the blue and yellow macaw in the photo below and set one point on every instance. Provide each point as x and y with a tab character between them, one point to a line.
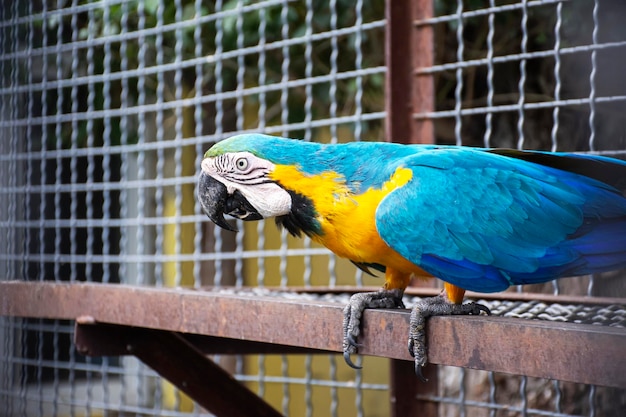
479	219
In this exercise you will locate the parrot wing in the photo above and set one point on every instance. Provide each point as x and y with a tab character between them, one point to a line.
484	221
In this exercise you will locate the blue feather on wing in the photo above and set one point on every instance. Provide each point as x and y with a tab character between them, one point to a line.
488	221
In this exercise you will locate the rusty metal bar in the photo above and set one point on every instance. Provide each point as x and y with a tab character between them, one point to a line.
102	339
178	361
408	47
399	75
406	390
566	351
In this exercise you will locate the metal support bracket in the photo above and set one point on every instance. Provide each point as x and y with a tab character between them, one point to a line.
179	361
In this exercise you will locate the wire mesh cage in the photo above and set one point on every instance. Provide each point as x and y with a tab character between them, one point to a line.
106	108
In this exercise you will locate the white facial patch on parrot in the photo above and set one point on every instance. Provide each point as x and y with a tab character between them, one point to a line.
249	175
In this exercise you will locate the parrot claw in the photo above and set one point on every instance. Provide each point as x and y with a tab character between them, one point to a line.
354	310
348	359
428	307
418	372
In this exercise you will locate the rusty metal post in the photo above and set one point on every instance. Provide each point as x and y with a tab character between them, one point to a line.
408	47
406	388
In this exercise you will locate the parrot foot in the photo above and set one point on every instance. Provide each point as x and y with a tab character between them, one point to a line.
354	310
428	307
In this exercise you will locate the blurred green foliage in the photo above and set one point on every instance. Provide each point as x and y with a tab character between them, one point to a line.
203	37
112	43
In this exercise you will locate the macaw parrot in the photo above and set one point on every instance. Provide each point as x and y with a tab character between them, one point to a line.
478	219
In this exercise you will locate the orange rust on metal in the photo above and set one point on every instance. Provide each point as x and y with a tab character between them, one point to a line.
407	47
565	351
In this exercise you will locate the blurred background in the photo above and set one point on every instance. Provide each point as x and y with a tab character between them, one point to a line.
107	107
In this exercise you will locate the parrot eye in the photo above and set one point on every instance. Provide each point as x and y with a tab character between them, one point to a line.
241	164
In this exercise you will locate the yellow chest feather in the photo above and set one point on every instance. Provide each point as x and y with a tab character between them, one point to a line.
348	220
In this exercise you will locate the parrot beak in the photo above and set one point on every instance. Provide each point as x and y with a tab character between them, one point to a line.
216	201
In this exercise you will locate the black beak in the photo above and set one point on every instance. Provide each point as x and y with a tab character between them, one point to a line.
216	202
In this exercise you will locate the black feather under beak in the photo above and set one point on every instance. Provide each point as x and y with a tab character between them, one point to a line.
216	201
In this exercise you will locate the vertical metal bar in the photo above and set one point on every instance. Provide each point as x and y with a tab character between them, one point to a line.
408	393
127	364
11	203
261	115
405	92
284	369
159	280
123	199
458	90
74	180
4	116
308	135
136	236
462	393
592	77
58	215
523	395
29	216
492	394
9	371
199	130
241	119
557	77
522	78
73	146
89	201
43	168
9	368
140	235
178	144
357	136
160	153
521	86
219	127
30	212
557	97
308	383
490	87
592	101
284	120
240	123
334	54
358	65
308	69
592	401
408	47
106	168
262	79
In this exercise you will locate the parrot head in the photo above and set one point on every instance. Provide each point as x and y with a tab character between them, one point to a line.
236	180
